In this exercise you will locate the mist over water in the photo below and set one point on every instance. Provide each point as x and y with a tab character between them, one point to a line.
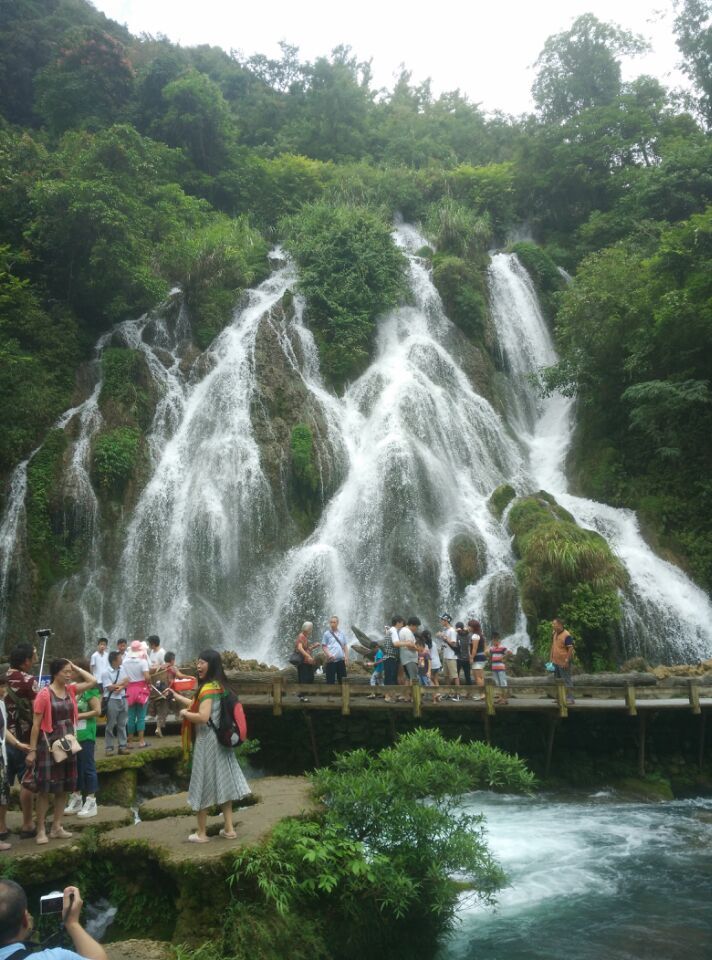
408	458
592	878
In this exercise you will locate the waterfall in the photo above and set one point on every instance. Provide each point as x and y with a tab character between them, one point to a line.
425	451
408	458
665	614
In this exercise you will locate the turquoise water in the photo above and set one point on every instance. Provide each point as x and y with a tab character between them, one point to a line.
593	877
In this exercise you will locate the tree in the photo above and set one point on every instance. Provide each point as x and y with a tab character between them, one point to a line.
693	32
579	69
89	83
198	119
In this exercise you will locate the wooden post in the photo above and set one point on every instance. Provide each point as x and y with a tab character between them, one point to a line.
345	697
312	738
489	698
488	728
641	744
561	698
694	694
553	722
417	698
630	700
277	697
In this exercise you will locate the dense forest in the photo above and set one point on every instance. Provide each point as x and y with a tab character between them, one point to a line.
129	165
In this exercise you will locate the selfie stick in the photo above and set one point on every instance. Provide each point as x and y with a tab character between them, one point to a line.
44	650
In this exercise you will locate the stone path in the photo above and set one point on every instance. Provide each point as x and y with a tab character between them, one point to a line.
273	798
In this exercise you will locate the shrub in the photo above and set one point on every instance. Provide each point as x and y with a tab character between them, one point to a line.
350	272
114	459
568	572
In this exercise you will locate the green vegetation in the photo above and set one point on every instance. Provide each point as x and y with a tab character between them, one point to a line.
544	273
55	548
350	272
115	459
354	878
501	498
568	572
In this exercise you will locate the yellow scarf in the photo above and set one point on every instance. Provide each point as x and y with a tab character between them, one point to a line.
209	691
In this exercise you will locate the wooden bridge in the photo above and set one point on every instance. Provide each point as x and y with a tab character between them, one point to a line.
640	696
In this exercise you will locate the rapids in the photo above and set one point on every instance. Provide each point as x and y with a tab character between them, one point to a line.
590	878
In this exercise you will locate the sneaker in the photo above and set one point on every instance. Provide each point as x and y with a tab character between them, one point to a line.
124	751
456	699
74	805
109	752
89	808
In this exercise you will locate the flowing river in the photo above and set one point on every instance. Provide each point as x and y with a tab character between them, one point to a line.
593	878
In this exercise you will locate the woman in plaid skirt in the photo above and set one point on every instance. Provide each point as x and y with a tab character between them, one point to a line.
54	716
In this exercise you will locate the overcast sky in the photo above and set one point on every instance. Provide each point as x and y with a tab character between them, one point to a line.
486	49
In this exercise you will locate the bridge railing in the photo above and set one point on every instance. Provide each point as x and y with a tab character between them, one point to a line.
357	693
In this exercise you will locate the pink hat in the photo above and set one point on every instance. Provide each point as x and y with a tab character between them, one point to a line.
137	646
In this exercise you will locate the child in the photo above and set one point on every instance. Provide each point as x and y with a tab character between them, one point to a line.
167	673
424	661
497	652
5	736
377	675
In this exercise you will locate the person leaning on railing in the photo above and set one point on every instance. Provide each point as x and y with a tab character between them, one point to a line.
16	927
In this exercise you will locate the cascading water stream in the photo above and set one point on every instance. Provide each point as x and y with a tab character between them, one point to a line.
425	452
665	614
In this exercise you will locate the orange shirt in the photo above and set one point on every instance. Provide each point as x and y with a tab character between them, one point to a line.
561	651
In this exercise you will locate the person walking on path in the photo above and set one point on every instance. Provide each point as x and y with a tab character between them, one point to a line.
117	711
7	739
448	639
497	652
99	659
408	655
22	688
561	655
135	674
89	708
465	653
390	653
54	716
336	652
216	779
479	658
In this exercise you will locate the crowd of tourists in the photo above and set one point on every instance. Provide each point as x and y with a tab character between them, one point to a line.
456	656
48	731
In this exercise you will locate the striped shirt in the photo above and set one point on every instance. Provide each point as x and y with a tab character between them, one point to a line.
497	654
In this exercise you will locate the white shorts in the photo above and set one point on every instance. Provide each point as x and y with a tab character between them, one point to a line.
478	666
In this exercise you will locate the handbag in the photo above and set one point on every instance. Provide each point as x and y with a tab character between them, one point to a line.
296	659
64	747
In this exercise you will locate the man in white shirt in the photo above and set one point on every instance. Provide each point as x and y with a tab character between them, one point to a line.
448	639
156	653
336	651
16	927
99	659
408	653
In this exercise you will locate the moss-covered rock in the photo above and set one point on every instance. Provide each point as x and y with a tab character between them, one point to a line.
118	787
501	498
466	560
568	572
652	789
544	273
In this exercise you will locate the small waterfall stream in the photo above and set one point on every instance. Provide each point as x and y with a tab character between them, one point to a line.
662	607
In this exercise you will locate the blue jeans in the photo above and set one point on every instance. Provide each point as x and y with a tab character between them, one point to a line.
87	780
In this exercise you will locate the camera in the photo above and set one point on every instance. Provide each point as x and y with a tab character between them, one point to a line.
51	902
44	633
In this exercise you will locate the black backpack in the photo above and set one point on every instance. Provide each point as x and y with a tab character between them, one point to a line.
231	729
